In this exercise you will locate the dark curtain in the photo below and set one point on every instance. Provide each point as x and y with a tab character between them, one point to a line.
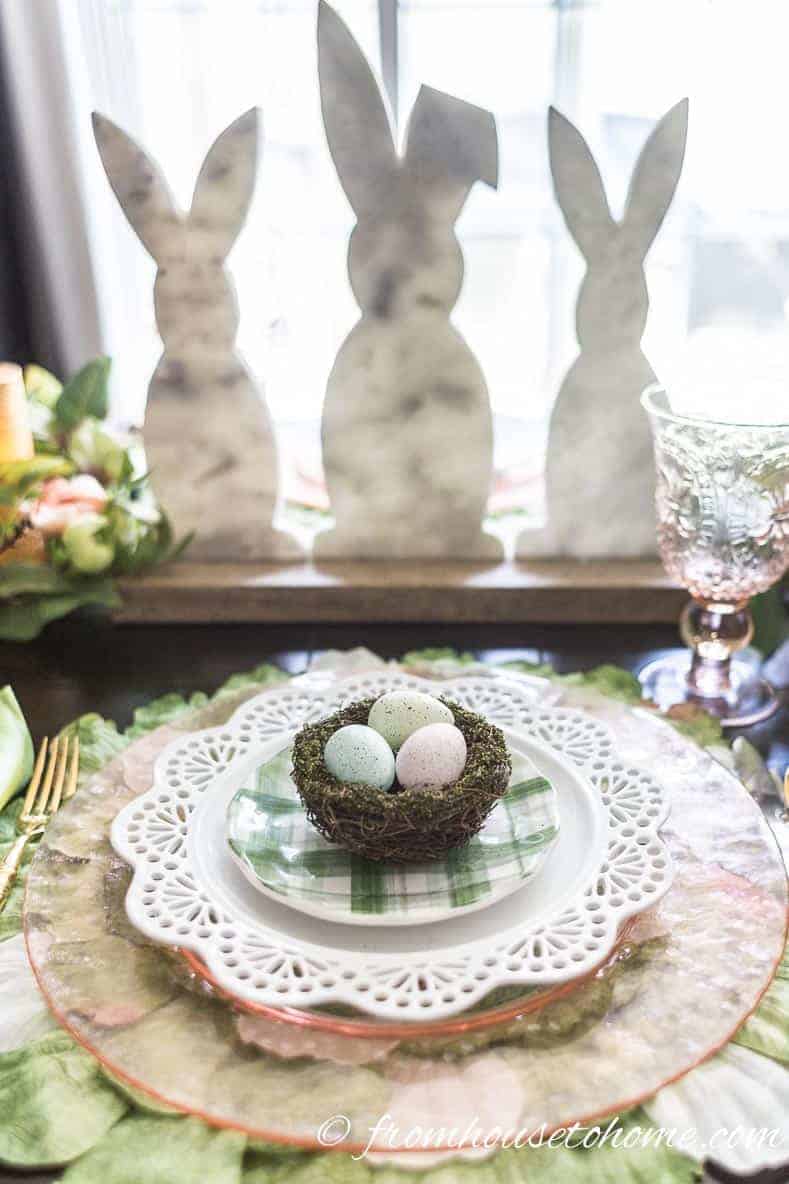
18	336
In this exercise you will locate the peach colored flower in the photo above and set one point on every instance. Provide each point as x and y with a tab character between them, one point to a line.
65	501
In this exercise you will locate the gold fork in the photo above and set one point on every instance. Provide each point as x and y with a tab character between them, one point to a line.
49	787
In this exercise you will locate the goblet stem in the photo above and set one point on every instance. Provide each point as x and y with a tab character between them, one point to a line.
714	631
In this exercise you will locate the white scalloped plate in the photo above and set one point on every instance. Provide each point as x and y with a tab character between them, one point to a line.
608	864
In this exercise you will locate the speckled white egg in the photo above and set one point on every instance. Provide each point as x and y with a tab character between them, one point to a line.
399	714
431	757
359	754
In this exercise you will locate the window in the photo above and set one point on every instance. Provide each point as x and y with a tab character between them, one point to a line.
175	72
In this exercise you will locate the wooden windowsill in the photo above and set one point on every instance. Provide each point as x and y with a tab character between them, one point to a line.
558	591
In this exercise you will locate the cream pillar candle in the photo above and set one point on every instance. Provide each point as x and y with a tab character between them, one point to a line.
16	438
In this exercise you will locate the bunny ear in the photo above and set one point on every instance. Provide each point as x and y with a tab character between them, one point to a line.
225	184
139	187
354	115
578	185
655	177
451	144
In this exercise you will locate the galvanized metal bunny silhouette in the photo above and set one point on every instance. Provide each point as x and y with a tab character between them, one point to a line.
208	436
600	471
407	432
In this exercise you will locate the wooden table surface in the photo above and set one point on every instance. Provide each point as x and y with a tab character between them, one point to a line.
111	669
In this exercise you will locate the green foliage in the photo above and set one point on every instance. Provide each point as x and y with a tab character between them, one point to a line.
521	666
149	1149
264	675
771	625
20	579
84	395
607	679
16	747
31	597
437	653
141	1101
167	708
163	711
695	723
767	1030
139	544
126	536
612	681
99	742
95	450
55	1103
88	546
41	386
11	916
18	478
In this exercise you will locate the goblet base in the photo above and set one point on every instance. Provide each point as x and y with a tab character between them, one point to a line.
747	700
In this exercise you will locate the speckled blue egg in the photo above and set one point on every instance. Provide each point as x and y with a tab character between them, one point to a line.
399	714
360	755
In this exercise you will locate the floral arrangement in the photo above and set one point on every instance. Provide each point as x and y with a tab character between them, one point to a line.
76	507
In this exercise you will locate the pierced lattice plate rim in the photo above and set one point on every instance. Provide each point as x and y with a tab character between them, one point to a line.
263	955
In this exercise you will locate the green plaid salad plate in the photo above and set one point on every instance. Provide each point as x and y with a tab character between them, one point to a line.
279	851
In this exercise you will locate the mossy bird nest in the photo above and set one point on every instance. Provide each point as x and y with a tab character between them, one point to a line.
401	825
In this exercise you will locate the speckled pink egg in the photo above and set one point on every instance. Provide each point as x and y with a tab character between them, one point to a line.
432	756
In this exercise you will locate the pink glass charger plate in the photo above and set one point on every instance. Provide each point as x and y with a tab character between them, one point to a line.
704	958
